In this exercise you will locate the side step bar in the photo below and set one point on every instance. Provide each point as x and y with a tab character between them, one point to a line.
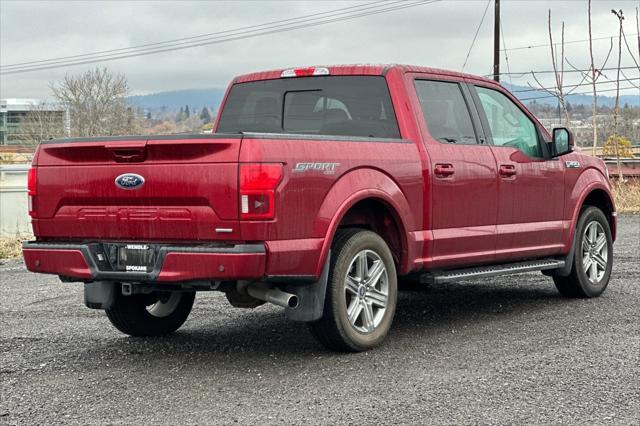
438	277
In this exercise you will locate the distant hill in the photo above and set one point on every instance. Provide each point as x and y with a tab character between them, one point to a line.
526	95
199	98
175	99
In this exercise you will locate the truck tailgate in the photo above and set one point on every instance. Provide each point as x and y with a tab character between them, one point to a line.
189	189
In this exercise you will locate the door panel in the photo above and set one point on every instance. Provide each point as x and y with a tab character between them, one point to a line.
463	183
531	188
464	205
530	205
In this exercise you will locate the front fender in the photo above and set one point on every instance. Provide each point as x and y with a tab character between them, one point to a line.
355	186
589	180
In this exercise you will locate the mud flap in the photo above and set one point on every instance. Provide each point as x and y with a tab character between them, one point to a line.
100	294
568	261
310	296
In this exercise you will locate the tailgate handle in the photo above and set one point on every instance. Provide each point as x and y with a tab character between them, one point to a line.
128	153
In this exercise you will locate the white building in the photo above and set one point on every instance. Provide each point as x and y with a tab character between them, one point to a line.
14	111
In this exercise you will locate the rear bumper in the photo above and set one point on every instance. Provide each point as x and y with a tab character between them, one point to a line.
174	263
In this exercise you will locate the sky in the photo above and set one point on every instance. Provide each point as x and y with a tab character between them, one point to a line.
437	35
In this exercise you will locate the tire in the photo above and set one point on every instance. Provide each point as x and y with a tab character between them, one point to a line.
371	302
150	315
592	260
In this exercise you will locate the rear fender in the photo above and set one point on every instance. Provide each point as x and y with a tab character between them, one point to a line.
355	186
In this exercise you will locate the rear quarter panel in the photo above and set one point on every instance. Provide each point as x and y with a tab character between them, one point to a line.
310	203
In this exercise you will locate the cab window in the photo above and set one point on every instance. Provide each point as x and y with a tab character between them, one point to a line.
445	112
509	125
333	105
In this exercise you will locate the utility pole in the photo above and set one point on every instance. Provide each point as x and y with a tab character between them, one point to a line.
496	41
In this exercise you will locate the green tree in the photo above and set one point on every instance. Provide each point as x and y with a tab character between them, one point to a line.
205	115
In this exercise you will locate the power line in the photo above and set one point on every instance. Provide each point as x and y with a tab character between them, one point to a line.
535	46
201	40
476	34
523	73
238	35
217	33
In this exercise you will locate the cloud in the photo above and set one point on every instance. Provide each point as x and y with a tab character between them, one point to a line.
437	35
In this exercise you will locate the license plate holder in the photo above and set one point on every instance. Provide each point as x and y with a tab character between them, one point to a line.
136	258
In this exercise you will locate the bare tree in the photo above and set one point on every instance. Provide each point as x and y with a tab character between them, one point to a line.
616	111
42	121
594	74
638	31
97	103
558	90
594	104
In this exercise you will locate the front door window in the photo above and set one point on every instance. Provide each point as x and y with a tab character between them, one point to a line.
509	125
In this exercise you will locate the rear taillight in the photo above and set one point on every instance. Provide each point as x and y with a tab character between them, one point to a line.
257	190
32	183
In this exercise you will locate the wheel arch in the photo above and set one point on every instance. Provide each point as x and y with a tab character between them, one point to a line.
380	206
376	215
597	196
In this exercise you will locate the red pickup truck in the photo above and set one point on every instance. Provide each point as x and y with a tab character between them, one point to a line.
318	190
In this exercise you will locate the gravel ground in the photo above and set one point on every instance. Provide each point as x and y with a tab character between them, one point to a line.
506	350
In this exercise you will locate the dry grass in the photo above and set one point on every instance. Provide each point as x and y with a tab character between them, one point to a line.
15	158
11	247
627	196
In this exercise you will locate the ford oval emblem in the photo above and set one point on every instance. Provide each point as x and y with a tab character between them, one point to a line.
129	181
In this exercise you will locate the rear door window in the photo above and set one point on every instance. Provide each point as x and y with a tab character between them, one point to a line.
445	112
335	105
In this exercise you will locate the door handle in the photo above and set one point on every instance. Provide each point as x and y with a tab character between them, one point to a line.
507	170
443	170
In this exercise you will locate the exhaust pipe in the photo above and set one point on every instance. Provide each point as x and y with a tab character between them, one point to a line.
273	295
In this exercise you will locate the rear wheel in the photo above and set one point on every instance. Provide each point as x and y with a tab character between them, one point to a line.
361	293
154	314
593	258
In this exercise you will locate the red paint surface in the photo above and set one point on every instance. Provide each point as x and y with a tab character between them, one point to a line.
199	266
466	213
70	263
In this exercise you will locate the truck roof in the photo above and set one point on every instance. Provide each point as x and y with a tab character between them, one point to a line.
359	69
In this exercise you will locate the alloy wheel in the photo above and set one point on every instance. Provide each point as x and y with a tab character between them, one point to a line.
164	306
595	252
367	291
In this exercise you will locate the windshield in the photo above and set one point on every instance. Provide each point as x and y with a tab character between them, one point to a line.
338	106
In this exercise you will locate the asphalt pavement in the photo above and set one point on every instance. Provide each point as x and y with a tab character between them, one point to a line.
508	350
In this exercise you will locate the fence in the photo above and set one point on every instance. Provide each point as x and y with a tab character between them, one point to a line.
14	215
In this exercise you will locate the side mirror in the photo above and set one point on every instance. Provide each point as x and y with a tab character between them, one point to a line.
562	142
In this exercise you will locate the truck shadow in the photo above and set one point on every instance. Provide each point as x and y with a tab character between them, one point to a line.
263	334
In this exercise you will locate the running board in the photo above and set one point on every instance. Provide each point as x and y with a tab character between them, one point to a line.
492	270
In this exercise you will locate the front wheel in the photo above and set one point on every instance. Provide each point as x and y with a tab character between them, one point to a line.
593	257
156	314
361	293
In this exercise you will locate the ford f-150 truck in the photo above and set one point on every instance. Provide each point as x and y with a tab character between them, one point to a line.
319	189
